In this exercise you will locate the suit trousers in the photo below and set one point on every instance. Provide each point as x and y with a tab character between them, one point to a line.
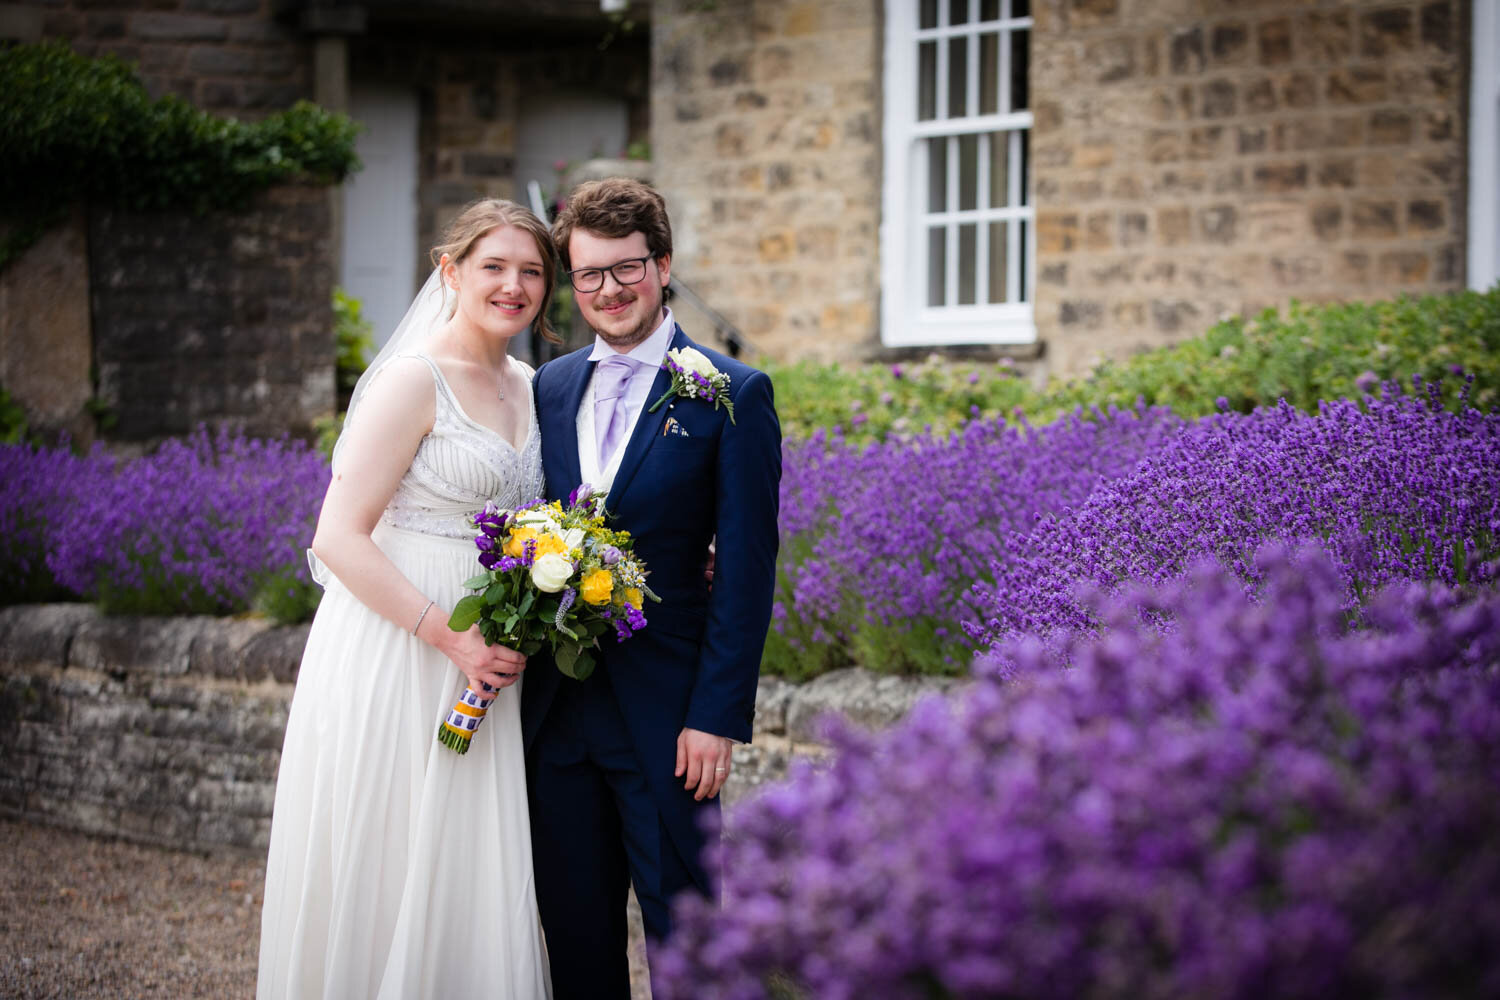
596	831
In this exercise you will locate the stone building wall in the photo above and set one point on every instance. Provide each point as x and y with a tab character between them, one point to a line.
1194	159
225	56
765	130
1190	159
221	318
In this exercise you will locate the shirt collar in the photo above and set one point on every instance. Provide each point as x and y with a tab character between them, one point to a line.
650	352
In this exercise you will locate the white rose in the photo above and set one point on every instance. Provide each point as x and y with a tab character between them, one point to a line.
573	538
541	520
694	361
550	573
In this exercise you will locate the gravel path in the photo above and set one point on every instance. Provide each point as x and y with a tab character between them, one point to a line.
82	917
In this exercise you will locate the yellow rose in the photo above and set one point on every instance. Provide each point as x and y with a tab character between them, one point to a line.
551	545
515	546
634	597
596	586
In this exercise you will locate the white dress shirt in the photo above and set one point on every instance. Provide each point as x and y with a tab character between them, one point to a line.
649	353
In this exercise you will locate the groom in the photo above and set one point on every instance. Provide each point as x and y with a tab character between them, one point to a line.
624	767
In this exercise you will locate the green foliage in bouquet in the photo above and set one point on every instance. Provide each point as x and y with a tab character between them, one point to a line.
554	576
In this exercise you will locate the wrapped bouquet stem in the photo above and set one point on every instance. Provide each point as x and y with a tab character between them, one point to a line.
554	575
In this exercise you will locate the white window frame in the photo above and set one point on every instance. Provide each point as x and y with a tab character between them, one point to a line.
906	319
1484	147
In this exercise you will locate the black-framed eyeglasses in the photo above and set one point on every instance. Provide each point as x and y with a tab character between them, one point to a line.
626	272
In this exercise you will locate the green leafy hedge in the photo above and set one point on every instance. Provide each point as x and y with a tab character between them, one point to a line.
1303	353
75	128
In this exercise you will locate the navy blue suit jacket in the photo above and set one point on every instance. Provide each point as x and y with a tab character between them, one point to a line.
697	662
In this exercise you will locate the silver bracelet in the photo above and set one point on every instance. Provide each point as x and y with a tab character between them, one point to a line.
421	616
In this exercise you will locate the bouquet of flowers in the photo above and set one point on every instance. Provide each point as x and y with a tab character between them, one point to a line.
554	575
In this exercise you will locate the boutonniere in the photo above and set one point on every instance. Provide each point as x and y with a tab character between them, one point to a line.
695	377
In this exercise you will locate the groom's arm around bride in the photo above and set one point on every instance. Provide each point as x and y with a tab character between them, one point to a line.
624	767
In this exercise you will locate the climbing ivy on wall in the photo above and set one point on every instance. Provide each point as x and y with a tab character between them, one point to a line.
75	128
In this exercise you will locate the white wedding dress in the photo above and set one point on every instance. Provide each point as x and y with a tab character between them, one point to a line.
397	868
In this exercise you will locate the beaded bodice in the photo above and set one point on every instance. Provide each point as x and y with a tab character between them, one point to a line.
462	464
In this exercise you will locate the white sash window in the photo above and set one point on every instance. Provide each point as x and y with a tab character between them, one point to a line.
957	237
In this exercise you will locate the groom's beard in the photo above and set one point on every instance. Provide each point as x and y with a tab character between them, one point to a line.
623	342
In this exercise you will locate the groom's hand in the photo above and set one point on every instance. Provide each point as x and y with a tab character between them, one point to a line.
704	760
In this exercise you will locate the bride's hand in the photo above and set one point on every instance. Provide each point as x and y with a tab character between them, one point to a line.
497	666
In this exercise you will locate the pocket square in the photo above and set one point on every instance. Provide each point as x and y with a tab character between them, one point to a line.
674	427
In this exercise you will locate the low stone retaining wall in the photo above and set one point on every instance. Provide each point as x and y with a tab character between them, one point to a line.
168	730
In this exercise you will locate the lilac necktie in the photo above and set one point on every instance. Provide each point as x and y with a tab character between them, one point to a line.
611	411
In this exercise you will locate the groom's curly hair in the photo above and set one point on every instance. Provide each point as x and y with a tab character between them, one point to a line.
614	207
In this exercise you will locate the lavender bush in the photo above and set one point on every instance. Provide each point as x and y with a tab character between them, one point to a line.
195	527
1254	801
1394	488
881	542
38	489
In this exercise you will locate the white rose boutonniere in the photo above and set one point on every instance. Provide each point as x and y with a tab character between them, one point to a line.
695	377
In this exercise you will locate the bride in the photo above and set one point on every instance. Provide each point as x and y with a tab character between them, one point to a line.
398	868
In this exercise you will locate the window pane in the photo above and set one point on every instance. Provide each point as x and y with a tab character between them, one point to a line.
958	12
1025	170
989	10
1020	8
989	73
927	81
929	14
1020	93
937	269
937	174
968	172
967	266
1000	169
958	77
997	262
1022	257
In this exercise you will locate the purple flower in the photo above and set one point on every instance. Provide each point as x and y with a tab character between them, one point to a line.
1232	806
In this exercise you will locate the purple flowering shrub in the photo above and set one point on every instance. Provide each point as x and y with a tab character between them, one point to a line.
196	527
1393	488
38	487
1239	798
882	542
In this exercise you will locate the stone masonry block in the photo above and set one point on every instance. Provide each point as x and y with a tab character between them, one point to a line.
1229	44
1425	215
162	26
1325	37
1218	223
1386	32
137	645
1186	51
219	61
1373	219
1390	126
1273	40
33	636
1405	267
1357	85
1437	26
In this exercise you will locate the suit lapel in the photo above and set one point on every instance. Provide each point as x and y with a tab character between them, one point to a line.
647	428
564	423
